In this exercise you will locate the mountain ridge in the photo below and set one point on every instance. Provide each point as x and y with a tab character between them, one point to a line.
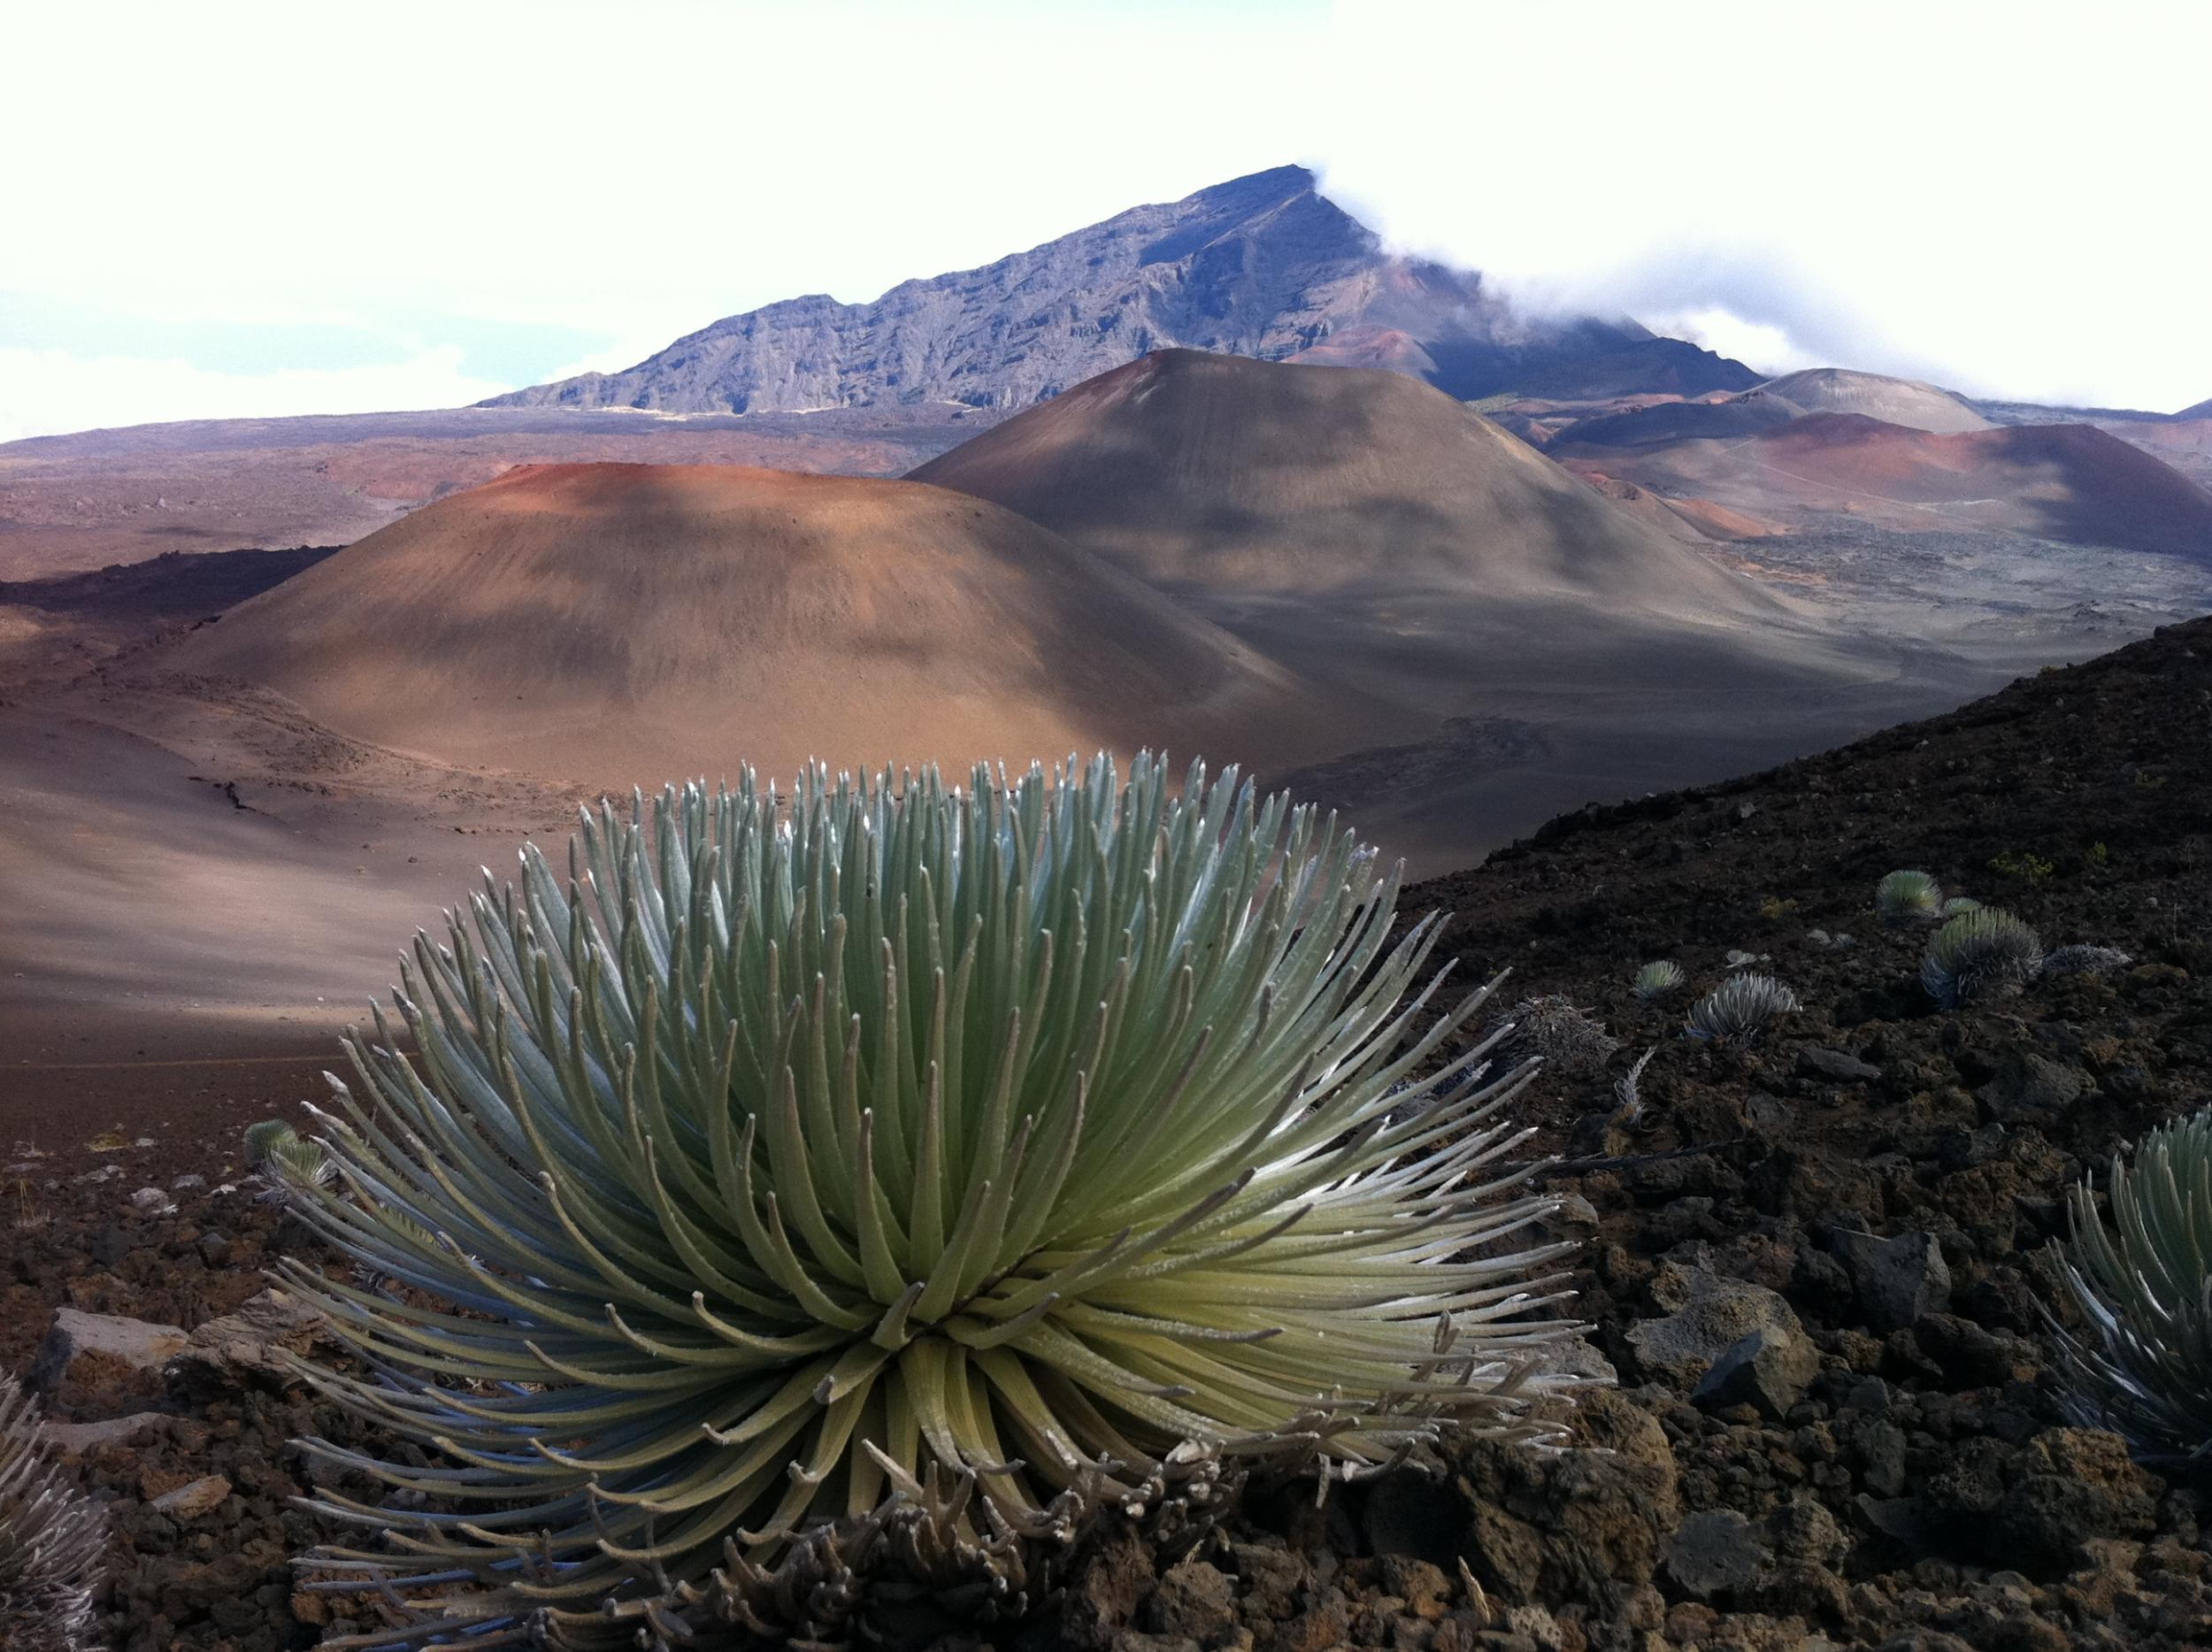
1263	265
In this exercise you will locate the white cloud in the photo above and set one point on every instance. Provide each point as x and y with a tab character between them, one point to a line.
2005	198
43	392
1756	344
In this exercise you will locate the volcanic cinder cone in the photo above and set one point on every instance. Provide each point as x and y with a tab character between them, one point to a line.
1230	478
613	624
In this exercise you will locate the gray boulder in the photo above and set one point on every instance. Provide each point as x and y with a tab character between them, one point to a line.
1897	1279
89	1359
1768	1371
1710	1315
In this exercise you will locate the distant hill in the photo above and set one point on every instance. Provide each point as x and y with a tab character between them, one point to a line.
1262	267
620	624
1745	415
2070	483
1904	402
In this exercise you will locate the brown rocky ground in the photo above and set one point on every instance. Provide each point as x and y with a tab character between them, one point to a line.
1872	1185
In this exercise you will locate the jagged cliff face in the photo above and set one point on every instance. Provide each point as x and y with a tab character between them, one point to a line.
1261	267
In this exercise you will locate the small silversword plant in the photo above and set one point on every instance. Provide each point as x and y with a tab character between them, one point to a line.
1552	1029
261	1137
1655	980
1980	955
1908	897
1738	1008
291	1165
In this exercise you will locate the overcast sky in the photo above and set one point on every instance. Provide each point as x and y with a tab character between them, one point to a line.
224	209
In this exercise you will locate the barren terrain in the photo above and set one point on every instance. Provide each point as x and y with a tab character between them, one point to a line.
71	504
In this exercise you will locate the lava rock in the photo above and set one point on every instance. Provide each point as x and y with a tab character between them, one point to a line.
2069	1486
2032	1089
194	1499
1710	1315
1586	1526
1969	1357
247	1348
1835	1066
1715	1552
74	1439
1768	1371
1897	1279
89	1359
1194	1599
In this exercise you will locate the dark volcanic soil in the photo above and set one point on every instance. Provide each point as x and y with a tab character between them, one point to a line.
1927	1490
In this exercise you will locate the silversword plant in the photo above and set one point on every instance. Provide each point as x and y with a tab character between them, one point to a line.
973	1159
1655	980
2143	1363
50	1538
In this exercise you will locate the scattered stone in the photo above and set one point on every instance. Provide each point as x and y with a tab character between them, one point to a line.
1711	1314
2030	1089
1897	1279
2072	1486
1194	1599
1424	1588
75	1439
1768	1371
1715	1552
1969	1356
152	1202
1577	1356
1587	1526
187	1183
1273	1577
247	1346
1836	1065
1576	1214
91	1358
2081	960
1326	1626
192	1500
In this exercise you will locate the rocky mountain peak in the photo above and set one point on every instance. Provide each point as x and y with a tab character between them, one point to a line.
1263	265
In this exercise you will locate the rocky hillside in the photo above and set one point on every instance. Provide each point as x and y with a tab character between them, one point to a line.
1818	1260
1263	266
